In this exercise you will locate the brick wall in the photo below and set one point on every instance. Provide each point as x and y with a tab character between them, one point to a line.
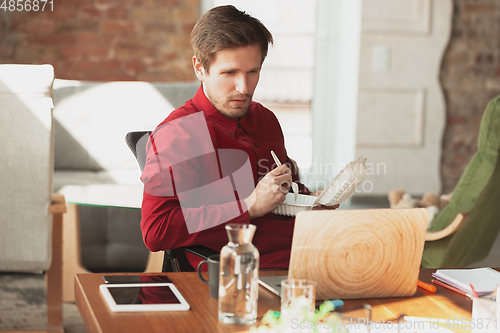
148	40
145	40
470	75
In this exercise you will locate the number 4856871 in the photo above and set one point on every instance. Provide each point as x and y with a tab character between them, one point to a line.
27	5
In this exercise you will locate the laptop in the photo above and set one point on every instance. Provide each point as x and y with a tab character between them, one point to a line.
349	254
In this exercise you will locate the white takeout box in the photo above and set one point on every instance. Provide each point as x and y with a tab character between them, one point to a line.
340	189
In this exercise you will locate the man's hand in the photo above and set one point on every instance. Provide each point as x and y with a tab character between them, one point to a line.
269	192
317	193
326	207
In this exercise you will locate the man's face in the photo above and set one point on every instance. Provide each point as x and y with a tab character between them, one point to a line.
234	74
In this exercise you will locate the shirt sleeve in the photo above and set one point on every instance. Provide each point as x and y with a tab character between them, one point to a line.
185	201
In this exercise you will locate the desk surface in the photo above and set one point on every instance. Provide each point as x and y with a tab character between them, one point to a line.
203	316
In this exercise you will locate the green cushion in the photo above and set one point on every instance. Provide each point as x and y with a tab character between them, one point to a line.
475	193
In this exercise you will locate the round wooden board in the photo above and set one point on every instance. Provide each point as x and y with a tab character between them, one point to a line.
359	253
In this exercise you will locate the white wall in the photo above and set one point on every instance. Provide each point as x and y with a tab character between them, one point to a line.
335	89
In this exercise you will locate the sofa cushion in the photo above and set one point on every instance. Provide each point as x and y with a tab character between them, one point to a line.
26	170
91	119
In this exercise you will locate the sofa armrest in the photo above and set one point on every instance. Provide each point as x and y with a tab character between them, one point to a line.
58	204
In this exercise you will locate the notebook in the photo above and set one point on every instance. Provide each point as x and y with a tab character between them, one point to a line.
484	280
352	254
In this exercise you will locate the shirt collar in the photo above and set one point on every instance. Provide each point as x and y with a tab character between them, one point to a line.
202	103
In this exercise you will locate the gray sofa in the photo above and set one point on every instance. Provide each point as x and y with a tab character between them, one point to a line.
95	169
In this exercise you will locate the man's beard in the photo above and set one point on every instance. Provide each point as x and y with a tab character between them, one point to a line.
241	109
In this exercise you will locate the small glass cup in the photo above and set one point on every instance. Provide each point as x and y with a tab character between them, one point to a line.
298	297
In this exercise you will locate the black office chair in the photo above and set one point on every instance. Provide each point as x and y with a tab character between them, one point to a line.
174	260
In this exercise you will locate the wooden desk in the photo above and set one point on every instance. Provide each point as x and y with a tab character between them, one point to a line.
203	316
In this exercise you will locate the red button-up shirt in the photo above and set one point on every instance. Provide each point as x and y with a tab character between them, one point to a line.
164	212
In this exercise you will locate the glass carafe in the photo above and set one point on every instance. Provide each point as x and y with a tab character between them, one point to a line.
239	276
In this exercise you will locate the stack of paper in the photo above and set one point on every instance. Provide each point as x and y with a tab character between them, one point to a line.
484	280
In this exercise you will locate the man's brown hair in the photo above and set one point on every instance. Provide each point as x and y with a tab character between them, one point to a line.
226	27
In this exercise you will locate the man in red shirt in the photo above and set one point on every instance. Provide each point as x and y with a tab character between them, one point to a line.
209	162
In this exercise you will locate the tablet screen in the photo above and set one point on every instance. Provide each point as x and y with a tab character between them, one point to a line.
143	297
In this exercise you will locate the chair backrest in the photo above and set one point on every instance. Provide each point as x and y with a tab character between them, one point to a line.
477	193
26	134
174	260
137	141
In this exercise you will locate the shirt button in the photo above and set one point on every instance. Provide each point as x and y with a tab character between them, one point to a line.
231	135
256	145
239	126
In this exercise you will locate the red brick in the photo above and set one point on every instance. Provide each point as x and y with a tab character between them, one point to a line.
83	66
172	3
185	15
95	39
109	66
49	54
110	77
188	27
475	122
117	13
86	37
26	53
484	58
144	3
6	51
51	39
133	41
460	159
144	14
194	4
456	120
118	26
59	66
36	54
169	56
478	8
80	51
64	12
180	42
188	77
130	53
160	27
156	77
91	11
72	75
75	25
35	26
135	66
